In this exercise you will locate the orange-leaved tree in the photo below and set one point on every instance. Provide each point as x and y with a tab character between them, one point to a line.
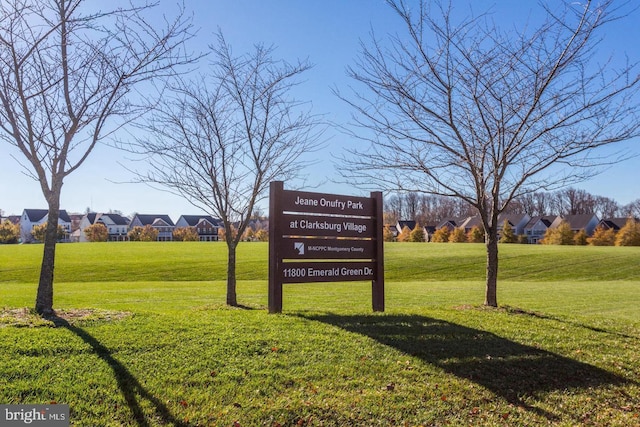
97	232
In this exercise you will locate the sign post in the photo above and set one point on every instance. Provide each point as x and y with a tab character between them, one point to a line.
316	237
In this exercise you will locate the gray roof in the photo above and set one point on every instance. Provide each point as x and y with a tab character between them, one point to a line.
147	219
513	219
578	222
36	215
614	223
473	221
117	219
455	222
410	224
547	220
193	220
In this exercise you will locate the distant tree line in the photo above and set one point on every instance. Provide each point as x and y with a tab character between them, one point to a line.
432	209
628	235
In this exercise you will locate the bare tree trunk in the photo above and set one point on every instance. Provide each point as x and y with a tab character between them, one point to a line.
54	108
232	299
491	298
44	296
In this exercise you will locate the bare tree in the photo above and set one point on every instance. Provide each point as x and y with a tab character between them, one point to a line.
412	205
568	201
466	110
518	206
394	207
573	201
219	140
66	75
542	203
424	208
605	207
632	210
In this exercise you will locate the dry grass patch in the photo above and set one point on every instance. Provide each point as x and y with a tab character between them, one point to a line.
28	318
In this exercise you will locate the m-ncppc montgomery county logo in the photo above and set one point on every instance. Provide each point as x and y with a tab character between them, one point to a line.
34	415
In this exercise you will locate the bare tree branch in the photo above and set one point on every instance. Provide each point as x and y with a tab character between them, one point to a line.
220	139
467	111
68	78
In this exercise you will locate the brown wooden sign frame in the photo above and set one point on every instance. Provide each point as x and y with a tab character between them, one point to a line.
318	237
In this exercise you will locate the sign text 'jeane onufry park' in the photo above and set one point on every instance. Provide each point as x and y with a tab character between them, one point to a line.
316	237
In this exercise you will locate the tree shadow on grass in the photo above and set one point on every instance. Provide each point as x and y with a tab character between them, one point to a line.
510	370
129	385
515	310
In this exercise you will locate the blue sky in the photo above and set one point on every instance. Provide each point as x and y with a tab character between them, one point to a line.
328	33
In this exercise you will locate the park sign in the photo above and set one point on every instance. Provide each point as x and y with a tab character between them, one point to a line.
317	237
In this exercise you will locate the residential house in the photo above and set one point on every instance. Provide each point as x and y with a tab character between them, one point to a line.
32	217
517	222
451	223
162	223
206	226
538	226
428	232
428	229
466	223
473	221
117	225
392	229
402	224
614	224
588	223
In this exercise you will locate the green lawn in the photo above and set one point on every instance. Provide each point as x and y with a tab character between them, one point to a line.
162	349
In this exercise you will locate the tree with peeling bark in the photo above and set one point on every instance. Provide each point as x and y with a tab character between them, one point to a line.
220	139
462	109
68	79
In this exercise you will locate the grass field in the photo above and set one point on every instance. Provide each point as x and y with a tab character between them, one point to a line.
160	348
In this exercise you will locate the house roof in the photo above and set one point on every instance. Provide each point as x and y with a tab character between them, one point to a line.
513	219
614	223
472	221
193	220
578	222
117	219
454	222
64	216
410	224
465	222
36	215
91	217
160	222
547	220
146	219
